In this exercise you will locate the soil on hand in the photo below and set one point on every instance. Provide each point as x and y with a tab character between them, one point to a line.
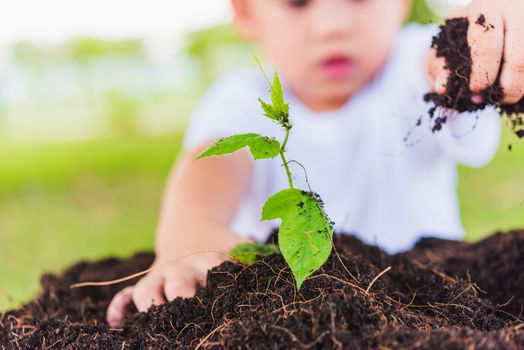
452	44
439	295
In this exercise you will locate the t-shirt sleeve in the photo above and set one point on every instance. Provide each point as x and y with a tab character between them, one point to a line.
229	107
470	138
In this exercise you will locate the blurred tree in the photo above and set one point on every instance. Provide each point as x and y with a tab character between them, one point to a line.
31	54
421	13
83	49
122	115
216	49
86	48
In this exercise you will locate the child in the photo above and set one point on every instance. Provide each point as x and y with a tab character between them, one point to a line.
355	80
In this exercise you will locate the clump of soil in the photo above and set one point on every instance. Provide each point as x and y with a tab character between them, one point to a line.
452	44
441	294
490	264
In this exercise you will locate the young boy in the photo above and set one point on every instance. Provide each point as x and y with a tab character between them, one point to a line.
355	80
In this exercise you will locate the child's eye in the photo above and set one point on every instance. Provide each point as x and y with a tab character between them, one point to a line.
298	3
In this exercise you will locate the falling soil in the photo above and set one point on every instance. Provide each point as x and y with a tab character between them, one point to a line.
452	44
439	295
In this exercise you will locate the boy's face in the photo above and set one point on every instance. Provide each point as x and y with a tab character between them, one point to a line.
325	49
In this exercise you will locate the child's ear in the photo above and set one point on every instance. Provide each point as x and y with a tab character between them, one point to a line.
243	18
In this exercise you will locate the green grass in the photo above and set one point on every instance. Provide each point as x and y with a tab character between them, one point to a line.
61	203
492	198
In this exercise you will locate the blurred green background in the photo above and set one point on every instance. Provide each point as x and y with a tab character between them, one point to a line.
86	148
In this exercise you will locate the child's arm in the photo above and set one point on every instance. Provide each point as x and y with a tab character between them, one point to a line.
200	200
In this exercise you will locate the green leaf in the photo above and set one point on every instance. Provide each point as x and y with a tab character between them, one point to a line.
280	107
261	147
277	92
268	110
278	110
306	232
247	253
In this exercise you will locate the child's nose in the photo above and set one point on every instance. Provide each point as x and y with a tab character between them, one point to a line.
331	18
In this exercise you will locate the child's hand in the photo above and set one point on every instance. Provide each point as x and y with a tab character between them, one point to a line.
177	279
495	35
159	286
200	201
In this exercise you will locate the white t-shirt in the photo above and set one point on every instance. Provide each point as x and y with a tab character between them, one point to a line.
380	170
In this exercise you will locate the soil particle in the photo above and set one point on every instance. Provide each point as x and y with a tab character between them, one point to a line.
481	21
441	294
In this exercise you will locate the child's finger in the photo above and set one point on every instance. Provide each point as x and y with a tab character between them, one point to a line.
486	40
180	284
437	72
118	306
149	291
512	76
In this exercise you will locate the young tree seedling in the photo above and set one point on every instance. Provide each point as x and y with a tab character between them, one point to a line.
306	232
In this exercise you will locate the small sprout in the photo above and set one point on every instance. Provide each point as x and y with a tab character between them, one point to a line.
306	232
278	110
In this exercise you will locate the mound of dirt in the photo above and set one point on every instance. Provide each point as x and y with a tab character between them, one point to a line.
494	264
452	44
441	294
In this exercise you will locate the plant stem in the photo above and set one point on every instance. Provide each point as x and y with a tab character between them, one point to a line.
284	161
284	144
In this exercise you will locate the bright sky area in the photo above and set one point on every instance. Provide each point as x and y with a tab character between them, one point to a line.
55	20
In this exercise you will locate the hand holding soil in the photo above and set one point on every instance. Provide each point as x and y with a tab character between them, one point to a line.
496	39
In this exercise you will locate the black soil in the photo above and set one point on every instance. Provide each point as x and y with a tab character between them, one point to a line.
439	295
451	43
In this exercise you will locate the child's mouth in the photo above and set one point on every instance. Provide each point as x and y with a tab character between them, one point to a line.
337	67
